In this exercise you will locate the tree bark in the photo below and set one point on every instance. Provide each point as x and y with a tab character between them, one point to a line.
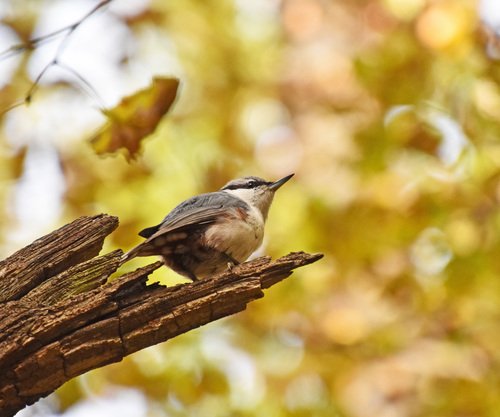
60	316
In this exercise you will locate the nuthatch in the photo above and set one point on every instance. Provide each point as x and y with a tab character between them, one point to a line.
206	233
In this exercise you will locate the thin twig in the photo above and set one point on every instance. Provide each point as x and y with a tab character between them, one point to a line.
40	40
66	31
90	90
34	86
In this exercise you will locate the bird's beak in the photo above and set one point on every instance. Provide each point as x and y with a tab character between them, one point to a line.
277	184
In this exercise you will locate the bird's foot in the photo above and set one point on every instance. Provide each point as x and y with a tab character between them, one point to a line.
231	262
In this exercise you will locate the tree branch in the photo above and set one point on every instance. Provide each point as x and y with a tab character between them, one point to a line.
65	318
46	257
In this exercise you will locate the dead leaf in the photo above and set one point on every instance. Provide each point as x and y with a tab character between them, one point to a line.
135	117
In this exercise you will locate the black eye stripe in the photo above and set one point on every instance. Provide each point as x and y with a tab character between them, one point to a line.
246	183
250	184
238	186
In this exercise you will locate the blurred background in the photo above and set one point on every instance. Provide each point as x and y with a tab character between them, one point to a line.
388	112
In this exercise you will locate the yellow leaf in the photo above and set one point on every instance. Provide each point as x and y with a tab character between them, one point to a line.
135	117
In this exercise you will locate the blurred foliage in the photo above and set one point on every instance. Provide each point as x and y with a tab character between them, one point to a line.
388	111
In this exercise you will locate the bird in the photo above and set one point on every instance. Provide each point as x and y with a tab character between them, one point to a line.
209	233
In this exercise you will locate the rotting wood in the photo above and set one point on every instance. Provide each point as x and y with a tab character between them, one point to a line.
65	318
45	257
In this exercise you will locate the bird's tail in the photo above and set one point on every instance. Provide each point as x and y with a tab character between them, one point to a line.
132	253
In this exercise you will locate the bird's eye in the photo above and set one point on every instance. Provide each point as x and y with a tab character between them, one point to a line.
252	184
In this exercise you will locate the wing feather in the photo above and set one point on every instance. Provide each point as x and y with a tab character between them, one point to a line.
149	231
195	218
196	212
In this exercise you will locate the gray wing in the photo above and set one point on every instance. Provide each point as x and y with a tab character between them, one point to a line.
195	212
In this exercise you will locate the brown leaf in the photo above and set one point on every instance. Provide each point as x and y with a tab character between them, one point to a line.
135	117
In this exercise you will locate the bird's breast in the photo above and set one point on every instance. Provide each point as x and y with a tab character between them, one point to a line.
238	234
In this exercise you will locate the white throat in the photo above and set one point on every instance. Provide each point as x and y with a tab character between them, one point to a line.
260	199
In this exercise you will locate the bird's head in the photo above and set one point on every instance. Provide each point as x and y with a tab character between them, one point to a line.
255	191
